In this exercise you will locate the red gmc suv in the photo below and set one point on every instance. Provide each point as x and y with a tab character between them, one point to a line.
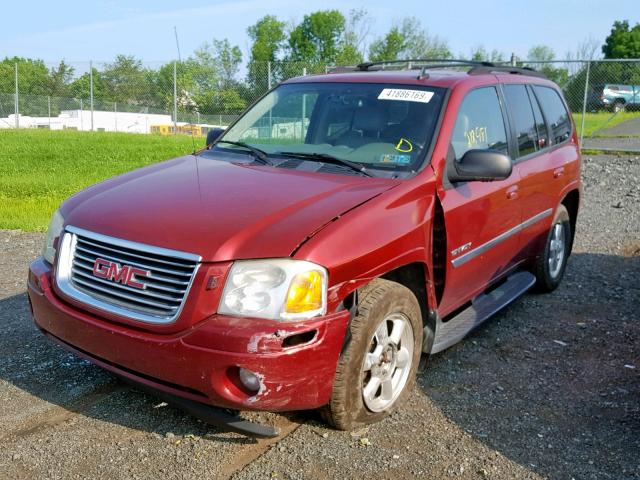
344	225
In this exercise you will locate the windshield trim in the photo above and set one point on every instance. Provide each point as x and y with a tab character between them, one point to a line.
404	174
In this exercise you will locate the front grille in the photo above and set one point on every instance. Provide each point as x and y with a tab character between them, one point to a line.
165	288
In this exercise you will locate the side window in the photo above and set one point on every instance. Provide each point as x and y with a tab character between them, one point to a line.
541	127
555	113
525	125
480	124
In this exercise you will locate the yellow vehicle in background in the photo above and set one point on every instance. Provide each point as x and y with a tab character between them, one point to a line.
184	129
162	129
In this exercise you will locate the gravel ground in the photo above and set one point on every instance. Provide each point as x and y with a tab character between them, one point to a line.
550	388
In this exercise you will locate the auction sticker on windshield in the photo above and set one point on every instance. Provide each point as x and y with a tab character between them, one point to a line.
402	94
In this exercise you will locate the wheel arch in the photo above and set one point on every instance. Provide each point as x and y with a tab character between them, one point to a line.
571	202
414	276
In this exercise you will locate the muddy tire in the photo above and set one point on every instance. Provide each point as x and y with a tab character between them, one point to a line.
377	368
551	263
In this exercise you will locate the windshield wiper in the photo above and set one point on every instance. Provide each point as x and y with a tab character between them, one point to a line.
259	155
326	158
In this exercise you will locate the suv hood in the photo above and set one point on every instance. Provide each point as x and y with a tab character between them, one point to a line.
217	209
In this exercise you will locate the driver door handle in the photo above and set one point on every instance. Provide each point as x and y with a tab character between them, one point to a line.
512	192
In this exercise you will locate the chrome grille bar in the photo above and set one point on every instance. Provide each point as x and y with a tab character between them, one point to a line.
121	294
82	242
122	259
79	259
167	298
165	288
84	270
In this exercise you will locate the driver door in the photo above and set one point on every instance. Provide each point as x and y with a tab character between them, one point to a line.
481	218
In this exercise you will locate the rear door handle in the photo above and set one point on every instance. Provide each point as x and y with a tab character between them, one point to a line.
558	172
512	192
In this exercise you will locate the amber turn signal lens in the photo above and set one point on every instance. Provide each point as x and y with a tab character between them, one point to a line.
305	293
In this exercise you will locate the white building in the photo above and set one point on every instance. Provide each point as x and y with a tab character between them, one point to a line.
81	120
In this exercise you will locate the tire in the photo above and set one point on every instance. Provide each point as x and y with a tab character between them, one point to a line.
382	306
549	267
619	106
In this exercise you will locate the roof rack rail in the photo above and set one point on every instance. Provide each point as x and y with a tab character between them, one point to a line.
506	69
441	61
478	67
340	69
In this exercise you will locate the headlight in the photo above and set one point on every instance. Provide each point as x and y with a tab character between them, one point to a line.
54	231
278	289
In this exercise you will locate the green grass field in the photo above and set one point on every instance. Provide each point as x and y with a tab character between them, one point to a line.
593	122
40	168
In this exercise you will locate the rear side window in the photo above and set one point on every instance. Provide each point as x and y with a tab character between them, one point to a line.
480	124
523	119
555	113
541	127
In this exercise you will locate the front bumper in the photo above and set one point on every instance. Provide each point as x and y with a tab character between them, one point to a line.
296	362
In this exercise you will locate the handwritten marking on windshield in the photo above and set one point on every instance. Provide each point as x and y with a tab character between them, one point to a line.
404	146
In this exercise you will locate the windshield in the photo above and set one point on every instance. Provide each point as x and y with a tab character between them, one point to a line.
385	127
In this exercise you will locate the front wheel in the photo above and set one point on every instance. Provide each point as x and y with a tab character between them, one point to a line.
552	261
377	369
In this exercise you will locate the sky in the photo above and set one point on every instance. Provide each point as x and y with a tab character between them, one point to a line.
82	30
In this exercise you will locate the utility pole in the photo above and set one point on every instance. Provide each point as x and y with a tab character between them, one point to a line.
175	84
584	101
91	90
175	99
175	31
16	105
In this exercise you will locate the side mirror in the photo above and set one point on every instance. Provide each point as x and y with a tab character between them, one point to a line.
213	135
481	165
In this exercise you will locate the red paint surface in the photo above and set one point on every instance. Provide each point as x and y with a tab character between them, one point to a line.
199	358
358	228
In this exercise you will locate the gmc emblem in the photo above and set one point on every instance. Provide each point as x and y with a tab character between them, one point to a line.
124	274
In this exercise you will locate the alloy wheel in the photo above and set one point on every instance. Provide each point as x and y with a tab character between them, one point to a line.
556	250
387	363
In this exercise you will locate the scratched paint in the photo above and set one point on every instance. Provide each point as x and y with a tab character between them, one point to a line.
262	391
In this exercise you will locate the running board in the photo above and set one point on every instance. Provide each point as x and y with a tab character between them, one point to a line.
482	307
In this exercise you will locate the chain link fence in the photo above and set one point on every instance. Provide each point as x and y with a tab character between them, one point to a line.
189	97
129	96
603	95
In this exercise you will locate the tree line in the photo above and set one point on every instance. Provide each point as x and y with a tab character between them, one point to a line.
209	80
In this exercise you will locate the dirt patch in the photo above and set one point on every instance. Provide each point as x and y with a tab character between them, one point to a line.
632	250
